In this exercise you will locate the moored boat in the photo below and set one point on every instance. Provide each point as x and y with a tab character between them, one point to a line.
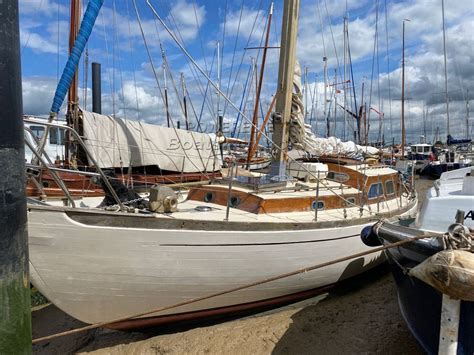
420	303
103	264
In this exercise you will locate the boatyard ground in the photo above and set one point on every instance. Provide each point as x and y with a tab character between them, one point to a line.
361	316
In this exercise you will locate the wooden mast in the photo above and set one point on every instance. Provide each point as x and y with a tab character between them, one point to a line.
251	151
73	99
284	91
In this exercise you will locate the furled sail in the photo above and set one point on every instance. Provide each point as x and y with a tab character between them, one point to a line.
302	138
115	143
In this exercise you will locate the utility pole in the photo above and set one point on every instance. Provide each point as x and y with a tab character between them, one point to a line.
403	91
284	91
15	313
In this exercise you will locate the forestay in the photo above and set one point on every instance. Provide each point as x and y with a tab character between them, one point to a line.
115	143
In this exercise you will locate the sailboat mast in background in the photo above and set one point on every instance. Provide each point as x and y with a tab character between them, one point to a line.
403	91
445	72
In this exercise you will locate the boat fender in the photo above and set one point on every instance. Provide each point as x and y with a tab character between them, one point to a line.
450	271
162	200
369	237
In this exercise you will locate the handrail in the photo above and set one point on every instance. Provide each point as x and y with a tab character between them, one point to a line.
56	178
89	155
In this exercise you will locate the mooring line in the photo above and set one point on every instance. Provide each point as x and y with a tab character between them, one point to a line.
235	289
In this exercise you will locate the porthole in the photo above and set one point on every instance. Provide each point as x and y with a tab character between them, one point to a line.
350	202
234	201
209	197
320	205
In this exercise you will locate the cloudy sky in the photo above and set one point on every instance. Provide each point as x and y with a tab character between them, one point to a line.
133	84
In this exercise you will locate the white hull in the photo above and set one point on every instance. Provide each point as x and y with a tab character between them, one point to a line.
101	273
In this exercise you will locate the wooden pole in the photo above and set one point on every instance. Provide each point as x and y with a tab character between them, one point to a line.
72	97
15	315
259	88
284	92
262	129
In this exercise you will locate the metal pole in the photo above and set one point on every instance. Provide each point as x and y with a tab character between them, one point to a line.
403	90
227	211
96	89
325	60
445	71
316	201
15	314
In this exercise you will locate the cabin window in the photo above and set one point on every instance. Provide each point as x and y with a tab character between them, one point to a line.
38	131
335	176
389	187
375	190
234	201
319	204
56	136
350	202
426	149
209	197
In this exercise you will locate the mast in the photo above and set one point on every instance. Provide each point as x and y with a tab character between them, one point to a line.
326	115
165	88
345	72
445	71
467	114
403	90
284	92
185	104
259	88
72	97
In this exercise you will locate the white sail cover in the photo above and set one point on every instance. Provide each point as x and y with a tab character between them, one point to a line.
115	143
304	139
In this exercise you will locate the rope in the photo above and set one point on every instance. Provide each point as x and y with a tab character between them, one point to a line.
232	290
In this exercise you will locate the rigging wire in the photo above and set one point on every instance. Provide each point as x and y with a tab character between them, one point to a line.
27	42
177	33
373	66
132	57
235	46
159	86
229	93
333	40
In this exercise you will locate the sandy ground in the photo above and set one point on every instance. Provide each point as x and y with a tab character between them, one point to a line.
360	316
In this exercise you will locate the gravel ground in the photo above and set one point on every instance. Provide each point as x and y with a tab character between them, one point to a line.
360	316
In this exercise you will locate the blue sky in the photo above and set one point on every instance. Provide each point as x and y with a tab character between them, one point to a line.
131	90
